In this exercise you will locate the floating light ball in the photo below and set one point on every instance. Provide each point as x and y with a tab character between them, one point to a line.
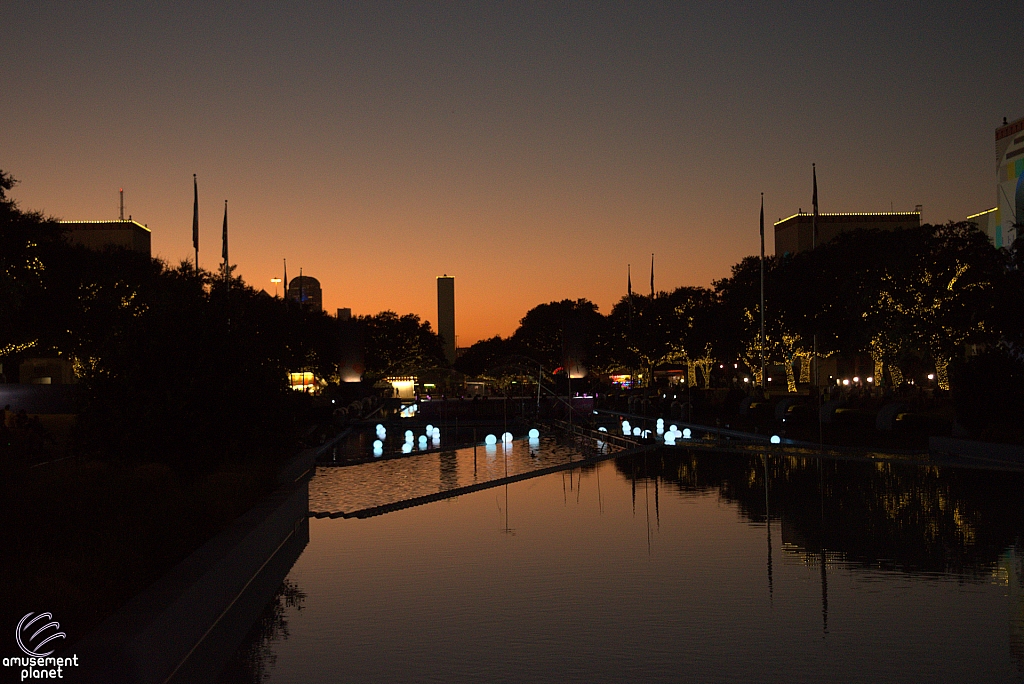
377	444
408	436
602	429
407	447
379	427
534	433
776	439
377	453
436	433
506	437
636	432
422	441
670	438
490	440
661	421
430	428
686	433
673	428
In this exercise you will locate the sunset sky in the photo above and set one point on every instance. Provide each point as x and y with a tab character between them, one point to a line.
530	150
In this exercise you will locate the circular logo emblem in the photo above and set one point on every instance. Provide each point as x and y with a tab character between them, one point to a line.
34	633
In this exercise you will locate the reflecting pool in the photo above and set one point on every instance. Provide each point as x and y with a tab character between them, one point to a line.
344	489
666	567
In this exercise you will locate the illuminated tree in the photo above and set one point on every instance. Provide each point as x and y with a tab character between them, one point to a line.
947	297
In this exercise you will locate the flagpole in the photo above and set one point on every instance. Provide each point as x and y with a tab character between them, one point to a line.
814	245
195	219
763	385
224	251
629	332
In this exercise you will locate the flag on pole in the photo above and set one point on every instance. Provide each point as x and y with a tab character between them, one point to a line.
652	276
629	283
762	225
195	218
814	201
224	250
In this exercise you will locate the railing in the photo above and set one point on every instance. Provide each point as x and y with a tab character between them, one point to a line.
608	437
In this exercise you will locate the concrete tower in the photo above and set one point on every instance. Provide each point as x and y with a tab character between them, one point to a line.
446	315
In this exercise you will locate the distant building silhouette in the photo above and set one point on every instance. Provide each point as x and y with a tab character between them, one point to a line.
1001	222
793	234
100	235
344	314
306	290
446	315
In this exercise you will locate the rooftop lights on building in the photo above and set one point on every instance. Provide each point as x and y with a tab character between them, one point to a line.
127	221
851	213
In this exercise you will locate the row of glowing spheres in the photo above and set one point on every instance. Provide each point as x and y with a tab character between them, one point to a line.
670	436
434	435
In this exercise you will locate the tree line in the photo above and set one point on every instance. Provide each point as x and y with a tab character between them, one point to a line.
907	299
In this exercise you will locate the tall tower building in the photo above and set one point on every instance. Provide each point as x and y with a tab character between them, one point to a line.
446	315
1002	222
306	291
1009	182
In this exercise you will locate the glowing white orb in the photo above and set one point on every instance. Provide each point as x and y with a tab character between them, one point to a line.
377	444
602	429
534	433
670	438
686	433
776	439
407	447
490	440
435	433
636	432
506	437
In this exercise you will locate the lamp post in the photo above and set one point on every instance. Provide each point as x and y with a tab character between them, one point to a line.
276	282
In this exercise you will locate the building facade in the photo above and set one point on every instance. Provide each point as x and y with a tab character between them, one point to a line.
1002	222
794	234
100	235
1009	181
446	315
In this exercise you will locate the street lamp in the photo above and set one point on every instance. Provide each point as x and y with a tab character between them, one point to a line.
276	282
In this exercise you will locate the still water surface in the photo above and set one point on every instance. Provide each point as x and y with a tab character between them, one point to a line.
670	567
